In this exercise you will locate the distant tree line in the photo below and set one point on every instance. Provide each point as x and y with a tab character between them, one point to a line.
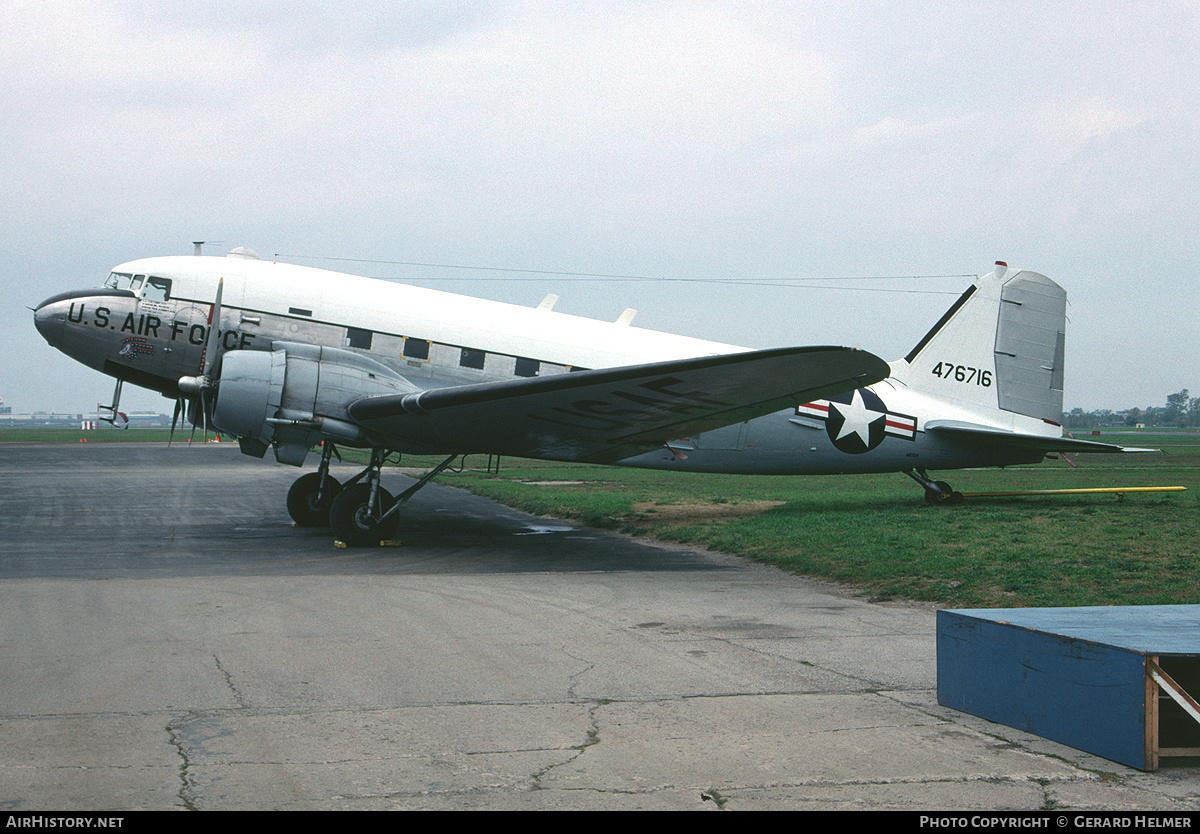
1180	411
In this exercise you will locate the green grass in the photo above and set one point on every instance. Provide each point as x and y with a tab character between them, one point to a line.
101	435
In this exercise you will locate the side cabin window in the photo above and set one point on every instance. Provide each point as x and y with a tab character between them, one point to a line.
136	283
416	348
472	358
157	289
527	367
358	338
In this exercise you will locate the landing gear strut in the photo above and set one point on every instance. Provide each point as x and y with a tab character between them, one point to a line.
365	514
358	515
936	492
311	496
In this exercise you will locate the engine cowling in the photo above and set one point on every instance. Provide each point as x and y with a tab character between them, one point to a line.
296	395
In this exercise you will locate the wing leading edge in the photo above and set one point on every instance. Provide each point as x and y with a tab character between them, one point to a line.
606	415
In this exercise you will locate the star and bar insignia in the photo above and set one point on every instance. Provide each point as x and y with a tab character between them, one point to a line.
858	421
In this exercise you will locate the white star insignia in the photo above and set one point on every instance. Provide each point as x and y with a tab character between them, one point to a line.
856	418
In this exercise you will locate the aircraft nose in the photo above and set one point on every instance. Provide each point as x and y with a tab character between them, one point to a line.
50	318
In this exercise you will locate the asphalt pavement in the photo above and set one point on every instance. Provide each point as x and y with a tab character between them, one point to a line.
169	641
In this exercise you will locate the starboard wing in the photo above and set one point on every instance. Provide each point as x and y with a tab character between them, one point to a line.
606	415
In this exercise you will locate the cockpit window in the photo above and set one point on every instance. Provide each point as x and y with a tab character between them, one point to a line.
157	289
149	287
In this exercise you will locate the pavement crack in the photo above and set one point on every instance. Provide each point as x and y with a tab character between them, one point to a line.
186	792
573	679
591	738
237	695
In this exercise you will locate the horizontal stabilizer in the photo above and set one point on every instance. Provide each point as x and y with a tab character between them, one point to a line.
610	414
997	438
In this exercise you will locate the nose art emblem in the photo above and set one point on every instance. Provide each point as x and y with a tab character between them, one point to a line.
133	347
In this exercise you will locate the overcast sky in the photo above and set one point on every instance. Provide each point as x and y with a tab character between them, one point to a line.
747	144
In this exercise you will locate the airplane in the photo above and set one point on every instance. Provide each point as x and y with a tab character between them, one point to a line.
289	358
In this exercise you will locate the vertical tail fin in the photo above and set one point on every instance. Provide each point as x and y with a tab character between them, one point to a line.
999	346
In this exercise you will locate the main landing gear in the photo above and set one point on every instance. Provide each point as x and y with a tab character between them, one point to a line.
360	512
936	492
311	496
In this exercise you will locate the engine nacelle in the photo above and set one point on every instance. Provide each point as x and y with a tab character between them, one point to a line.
295	396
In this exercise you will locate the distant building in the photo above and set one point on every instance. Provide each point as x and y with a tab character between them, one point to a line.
39	418
147	419
138	419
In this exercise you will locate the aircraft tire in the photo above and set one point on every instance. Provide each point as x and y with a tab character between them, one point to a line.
946	496
348	517
302	502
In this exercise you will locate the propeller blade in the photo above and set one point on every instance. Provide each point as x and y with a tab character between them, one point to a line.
195	386
204	414
214	325
175	419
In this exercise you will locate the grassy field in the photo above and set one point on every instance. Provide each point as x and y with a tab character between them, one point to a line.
102	435
876	533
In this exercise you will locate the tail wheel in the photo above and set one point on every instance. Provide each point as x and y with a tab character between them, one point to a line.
943	494
302	503
353	524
